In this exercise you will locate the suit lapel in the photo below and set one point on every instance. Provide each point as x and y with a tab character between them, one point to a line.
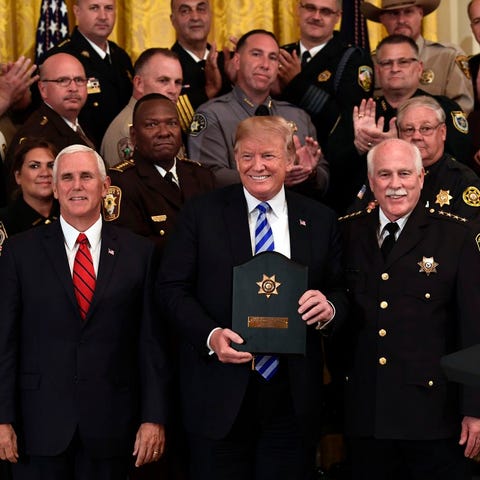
54	245
109	252
411	235
299	226
236	221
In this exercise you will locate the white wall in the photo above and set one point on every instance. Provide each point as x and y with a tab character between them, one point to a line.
454	26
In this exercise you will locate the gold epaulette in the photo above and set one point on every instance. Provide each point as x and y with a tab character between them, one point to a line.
442	214
123	166
64	42
351	215
369	209
184	158
185	112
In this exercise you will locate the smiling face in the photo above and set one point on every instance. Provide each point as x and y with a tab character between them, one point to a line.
156	131
394	178
95	19
35	175
264	153
257	65
79	188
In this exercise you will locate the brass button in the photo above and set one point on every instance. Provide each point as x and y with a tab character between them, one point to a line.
430	383
385	276
162	232
427	296
383	305
382	361
95	104
382	332
432	210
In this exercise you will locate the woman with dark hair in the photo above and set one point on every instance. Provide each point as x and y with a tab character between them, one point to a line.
33	203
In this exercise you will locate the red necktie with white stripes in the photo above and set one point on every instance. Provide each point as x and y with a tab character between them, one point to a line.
83	275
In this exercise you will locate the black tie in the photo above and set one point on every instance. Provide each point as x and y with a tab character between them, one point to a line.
106	59
305	57
262	111
201	64
389	240
169	178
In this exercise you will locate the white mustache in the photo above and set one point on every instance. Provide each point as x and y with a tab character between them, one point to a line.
395	192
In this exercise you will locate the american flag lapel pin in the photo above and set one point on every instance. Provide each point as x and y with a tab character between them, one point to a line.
303	223
111	252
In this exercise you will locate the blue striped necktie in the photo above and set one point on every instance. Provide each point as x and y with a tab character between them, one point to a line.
265	365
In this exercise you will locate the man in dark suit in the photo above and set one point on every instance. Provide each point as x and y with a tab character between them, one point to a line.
474	64
409	272
108	67
63	89
240	425
147	193
82	378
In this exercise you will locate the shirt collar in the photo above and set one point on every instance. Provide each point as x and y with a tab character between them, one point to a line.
100	51
70	234
313	51
277	203
384	220
163	172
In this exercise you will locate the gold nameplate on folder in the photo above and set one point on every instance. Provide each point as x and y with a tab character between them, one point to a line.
267	322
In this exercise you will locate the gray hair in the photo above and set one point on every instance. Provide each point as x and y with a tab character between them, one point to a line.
75	149
421	101
416	155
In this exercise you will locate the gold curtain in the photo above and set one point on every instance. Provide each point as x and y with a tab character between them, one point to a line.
145	23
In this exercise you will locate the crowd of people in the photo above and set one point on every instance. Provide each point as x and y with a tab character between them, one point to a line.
130	193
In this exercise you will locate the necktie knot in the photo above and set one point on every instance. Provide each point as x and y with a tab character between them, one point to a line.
262	111
82	239
264	207
305	57
392	228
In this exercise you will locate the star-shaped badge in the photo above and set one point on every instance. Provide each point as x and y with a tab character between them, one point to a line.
268	286
428	265
443	197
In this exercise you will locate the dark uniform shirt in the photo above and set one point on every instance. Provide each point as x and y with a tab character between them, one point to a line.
19	216
145	202
336	79
112	87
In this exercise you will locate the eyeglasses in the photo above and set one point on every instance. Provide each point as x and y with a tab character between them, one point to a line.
323	11
424	130
401	62
66	81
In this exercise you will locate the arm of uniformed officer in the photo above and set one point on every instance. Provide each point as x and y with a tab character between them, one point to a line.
8	443
459	86
207	145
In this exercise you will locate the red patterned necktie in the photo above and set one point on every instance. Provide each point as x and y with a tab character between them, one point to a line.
83	275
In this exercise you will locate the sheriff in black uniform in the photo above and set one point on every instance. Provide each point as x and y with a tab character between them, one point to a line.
410	272
108	67
147	193
320	73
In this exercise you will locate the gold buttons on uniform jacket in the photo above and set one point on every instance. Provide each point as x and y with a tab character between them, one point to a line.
427	296
95	104
162	232
430	383
383	305
385	276
382	332
382	361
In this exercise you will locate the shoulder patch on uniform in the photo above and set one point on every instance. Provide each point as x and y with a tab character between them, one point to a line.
460	121
111	203
365	77
123	166
324	76
462	62
471	196
3	235
442	214
199	123
125	148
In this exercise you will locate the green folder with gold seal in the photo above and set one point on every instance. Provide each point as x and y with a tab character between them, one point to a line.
266	290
